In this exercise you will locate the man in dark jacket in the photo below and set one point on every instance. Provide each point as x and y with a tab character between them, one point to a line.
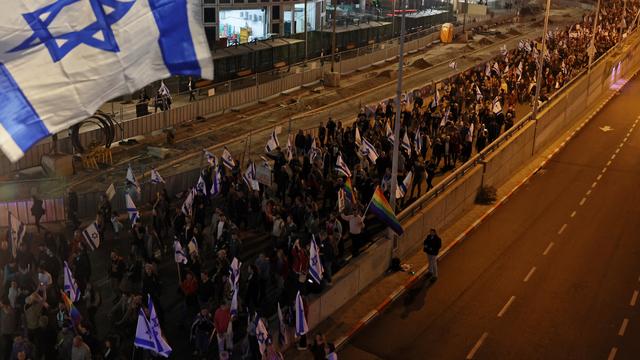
431	246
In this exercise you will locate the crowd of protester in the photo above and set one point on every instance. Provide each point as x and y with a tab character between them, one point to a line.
302	204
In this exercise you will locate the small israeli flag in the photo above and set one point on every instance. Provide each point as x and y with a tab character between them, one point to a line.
179	256
369	150
131	179
272	143
143	338
262	335
60	60
289	148
70	284
389	133
402	188
187	205
249	177
342	167
406	144
496	68
358	138
162	347
301	320
478	93
156	178
497	107
234	272
92	236
227	159
315	265
417	141
436	99
201	186
134	217
503	50
453	65
282	331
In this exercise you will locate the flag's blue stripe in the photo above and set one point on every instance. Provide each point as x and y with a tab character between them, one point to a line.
176	43
17	115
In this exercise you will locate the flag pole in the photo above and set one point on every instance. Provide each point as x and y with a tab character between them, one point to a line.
179	273
367	209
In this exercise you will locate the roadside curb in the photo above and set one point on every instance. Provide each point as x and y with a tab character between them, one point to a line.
399	291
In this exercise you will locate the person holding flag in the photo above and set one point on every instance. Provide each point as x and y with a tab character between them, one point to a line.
70	284
315	265
262	334
272	143
132	182
227	159
381	208
216	186
369	150
17	230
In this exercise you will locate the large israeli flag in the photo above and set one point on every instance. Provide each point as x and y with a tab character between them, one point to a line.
60	60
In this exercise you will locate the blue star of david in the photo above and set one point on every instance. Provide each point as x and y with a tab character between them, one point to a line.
40	20
261	337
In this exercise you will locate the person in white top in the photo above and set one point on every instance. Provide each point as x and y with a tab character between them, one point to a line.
356	228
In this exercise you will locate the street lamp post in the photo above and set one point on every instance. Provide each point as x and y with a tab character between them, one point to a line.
541	61
396	132
333	35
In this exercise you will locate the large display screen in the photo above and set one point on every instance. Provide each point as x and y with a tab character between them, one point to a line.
242	26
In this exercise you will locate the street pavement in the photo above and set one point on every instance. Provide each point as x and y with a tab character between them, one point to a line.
552	274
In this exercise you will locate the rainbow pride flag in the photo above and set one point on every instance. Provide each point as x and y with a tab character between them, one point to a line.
348	189
74	313
381	208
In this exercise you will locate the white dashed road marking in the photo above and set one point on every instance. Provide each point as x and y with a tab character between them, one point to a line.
623	327
477	346
506	306
546	251
526	278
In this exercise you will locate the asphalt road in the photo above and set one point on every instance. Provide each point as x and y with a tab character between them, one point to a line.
552	274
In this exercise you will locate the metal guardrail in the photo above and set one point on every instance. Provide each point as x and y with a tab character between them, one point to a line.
456	175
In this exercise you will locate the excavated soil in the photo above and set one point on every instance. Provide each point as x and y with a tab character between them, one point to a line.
421	64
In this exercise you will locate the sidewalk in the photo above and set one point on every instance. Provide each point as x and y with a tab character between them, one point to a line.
359	311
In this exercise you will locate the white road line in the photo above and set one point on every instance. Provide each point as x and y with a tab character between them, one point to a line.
573	214
526	278
588	192
634	298
594	184
582	201
604	169
612	353
617	150
477	346
599	177
613	156
546	251
506	306
623	327
608	162
562	229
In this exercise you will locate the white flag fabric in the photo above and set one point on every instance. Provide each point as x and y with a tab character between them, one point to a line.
301	321
406	144
164	90
496	68
478	93
178	253
17	230
131	210
92	236
143	339
389	133
358	138
272	143
436	99
234	272
369	150
453	65
156	178
497	107
417	141
60	60
162	347
289	153
227	159
315	265
131	178
402	188
110	192
70	284
342	167
193	247
187	205
217	183
262	335
282	333
201	186
249	177
233	309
